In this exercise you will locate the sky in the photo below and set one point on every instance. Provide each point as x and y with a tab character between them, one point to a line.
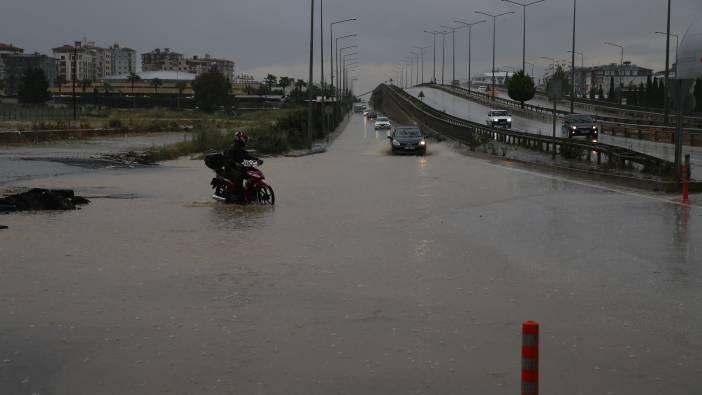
272	36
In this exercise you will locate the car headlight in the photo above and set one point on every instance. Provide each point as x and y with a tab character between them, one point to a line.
423	142
494	120
594	127
509	120
573	127
395	143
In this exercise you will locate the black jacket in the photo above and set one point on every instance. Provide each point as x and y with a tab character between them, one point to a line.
236	154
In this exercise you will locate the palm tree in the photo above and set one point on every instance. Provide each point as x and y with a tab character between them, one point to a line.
156	82
180	86
107	87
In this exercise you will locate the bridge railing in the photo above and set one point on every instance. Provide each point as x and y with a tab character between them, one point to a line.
471	133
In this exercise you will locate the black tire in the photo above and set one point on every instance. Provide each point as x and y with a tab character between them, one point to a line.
265	195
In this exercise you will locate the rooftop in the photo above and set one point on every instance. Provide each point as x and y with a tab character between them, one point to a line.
150	75
10	47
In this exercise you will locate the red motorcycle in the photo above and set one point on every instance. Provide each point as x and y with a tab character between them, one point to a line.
256	190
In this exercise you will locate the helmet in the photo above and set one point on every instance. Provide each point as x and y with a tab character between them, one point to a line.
241	137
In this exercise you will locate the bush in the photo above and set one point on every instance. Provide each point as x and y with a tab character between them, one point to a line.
115	124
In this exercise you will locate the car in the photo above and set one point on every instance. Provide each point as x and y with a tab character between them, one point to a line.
372	115
500	118
383	123
408	139
579	125
358	107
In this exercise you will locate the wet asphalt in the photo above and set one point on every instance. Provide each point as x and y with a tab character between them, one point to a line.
477	112
373	274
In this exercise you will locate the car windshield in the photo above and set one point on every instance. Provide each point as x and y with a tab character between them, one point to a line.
383	119
409	132
580	118
499	113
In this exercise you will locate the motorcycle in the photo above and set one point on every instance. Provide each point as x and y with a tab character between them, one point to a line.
256	189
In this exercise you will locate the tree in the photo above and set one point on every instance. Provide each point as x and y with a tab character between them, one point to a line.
521	87
156	83
85	83
299	84
284	82
211	90
611	95
107	87
180	86
270	81
33	87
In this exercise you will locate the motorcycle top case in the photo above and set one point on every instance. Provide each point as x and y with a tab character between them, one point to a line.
214	161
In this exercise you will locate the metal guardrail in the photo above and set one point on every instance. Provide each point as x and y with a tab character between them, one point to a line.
466	131
691	123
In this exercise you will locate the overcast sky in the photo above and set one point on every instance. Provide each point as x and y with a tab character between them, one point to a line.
264	36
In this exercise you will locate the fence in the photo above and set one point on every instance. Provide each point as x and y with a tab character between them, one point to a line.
23	112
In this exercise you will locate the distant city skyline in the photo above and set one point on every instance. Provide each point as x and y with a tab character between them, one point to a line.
273	36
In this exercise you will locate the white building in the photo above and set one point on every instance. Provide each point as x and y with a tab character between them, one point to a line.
485	79
198	65
93	62
85	59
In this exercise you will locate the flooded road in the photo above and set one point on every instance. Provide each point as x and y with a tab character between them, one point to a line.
373	274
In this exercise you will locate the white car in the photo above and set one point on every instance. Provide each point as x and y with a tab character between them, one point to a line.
383	123
499	118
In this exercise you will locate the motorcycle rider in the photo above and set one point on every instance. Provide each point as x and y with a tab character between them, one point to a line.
234	156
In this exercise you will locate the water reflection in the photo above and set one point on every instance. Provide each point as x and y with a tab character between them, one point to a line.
234	217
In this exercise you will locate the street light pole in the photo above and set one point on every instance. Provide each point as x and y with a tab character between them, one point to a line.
311	76
332	54
338	63
667	69
453	50
677	45
524	6
470	32
433	33
572	63
416	78
74	75
421	51
494	31
621	66
582	67
532	68
443	56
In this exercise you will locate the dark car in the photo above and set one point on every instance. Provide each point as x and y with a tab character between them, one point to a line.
579	125
408	139
372	115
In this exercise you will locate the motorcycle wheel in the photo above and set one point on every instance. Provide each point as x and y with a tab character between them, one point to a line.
265	195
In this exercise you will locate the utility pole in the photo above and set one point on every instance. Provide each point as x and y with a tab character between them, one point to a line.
74	75
494	31
470	32
311	76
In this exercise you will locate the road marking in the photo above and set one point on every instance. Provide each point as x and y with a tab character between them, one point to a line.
594	186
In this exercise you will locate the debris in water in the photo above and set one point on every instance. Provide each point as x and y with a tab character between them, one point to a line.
42	199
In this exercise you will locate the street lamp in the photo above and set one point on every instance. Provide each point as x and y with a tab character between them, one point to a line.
410	62
453	49
470	30
677	44
74	76
621	63
416	79
582	67
667	72
524	6
421	52
572	62
532	68
311	76
494	30
337	54
331	44
433	33
443	56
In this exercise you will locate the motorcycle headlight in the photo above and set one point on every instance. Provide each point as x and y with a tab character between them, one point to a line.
395	142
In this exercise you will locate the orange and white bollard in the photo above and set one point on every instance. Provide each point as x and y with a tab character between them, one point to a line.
530	358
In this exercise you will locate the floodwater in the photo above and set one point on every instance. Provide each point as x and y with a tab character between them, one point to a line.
373	274
477	112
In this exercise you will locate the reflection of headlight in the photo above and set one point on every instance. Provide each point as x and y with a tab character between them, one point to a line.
395	142
422	142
